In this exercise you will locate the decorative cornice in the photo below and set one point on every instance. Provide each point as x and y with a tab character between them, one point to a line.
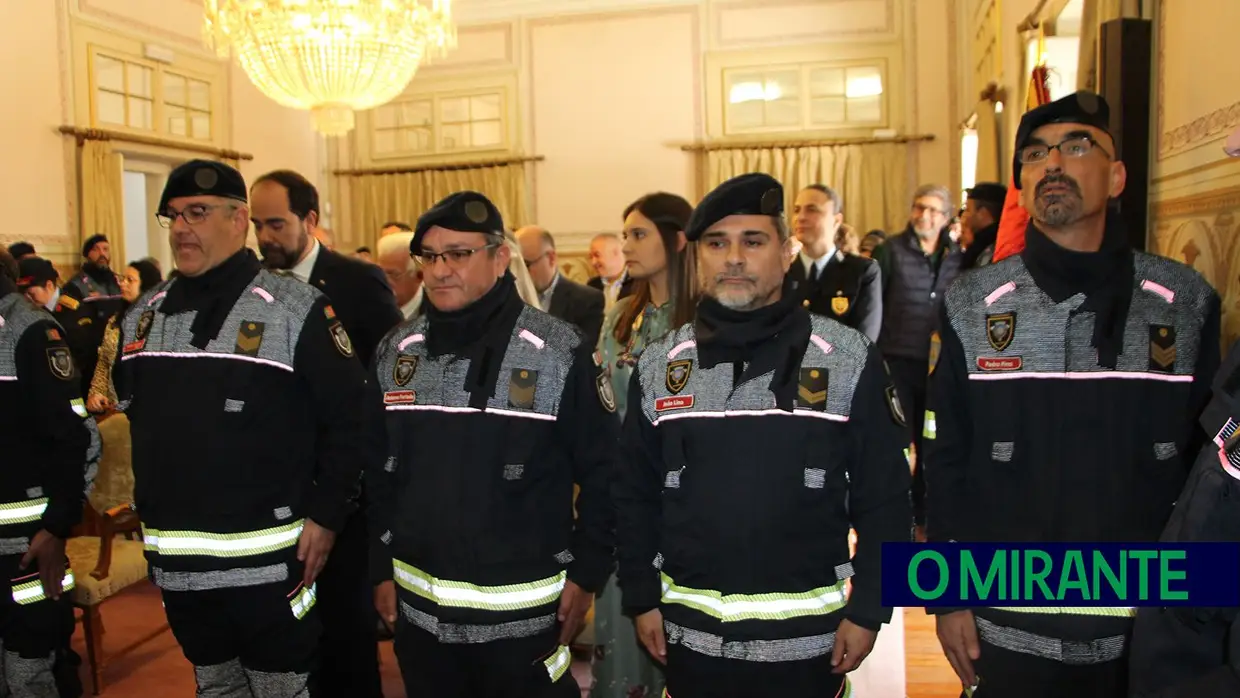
1198	204
1197	132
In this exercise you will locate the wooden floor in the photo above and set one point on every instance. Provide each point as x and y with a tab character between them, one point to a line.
928	673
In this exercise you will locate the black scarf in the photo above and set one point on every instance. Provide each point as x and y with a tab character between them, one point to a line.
772	338
212	293
1105	277
479	332
981	240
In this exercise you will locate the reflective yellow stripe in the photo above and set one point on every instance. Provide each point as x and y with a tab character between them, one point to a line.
775	606
22	512
931	427
79	407
32	591
221	544
1110	611
558	663
508	597
303	601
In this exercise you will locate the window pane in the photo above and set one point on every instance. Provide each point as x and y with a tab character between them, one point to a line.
745	87
139	80
416	140
827	110
864	82
174	89
453	136
783	84
201	126
110	108
109	75
454	109
385	116
415	113
177	124
826	82
200	95
484	108
784	112
384	141
140	113
745	115
865	109
486	133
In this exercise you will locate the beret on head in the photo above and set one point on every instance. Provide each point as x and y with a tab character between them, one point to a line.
91	242
464	211
989	191
753	194
203	178
1085	108
35	271
21	249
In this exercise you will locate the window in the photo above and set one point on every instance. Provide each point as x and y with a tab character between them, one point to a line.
132	94
187	106
124	93
440	123
804	97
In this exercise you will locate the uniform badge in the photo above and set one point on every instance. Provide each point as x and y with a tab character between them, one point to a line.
249	338
83	321
404	369
678	375
329	313
897	410
839	305
476	211
61	362
936	346
606	395
812	389
53	335
144	325
1162	348
1000	329
521	384
341	339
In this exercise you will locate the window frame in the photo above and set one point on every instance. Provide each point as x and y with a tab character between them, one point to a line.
804	98
159	104
436	98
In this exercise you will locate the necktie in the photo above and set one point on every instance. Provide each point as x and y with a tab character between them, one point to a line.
813	273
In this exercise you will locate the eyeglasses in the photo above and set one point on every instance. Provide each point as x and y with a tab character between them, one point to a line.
1075	147
193	215
455	259
920	209
531	262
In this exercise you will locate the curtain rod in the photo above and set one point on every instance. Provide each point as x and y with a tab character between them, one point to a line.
444	167
806	143
99	134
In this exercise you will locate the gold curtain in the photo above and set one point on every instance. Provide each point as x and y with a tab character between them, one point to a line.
102	196
871	178
378	198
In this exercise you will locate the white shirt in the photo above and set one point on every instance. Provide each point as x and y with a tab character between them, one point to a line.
303	268
818	264
51	302
544	298
611	289
411	307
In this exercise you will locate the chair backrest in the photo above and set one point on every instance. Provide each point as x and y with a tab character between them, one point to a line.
114	482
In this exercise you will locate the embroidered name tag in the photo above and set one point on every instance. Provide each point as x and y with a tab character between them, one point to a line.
399	397
999	363
675	402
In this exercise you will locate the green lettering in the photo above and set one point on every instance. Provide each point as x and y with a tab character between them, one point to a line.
1014	579
1143	558
1072	576
970	577
1168	575
1038	577
1102	568
916	587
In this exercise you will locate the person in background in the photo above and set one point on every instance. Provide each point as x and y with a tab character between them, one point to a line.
872	240
562	297
22	250
402	272
363	253
521	273
37	278
607	259
139	277
659	261
394	227
982	211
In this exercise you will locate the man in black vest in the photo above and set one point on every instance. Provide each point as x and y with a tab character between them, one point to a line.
828	280
917	266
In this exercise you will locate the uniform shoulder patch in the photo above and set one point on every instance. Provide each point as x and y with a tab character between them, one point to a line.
606	395
522	383
249	338
60	361
53	335
812	389
341	339
69	302
897	410
404	369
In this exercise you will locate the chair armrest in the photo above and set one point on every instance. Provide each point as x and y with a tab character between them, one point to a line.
118	519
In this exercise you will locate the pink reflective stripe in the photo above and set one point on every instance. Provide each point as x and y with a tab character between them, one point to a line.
156	297
8	378
1081	376
410	340
262	293
821	343
1	321
470	410
1000	292
1219	438
1159	290
532	338
205	355
681	347
1227	466
754	413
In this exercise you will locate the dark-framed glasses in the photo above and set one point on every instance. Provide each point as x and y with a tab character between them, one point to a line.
455	259
193	214
1075	147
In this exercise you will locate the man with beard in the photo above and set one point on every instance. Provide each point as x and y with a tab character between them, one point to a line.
1063	405
95	287
756	437
285	211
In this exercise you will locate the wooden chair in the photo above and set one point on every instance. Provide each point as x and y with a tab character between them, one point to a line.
110	558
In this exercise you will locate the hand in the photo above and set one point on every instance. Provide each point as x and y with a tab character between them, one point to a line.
574	604
97	404
852	645
385	603
49	552
649	626
312	549
958	635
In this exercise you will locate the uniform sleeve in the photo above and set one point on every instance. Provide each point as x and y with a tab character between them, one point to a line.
878	488
330	370
639	507
52	390
380	479
592	430
870	302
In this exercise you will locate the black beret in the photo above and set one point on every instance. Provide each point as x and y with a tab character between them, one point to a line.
754	194
989	191
35	271
203	178
1084	107
91	242
464	211
21	249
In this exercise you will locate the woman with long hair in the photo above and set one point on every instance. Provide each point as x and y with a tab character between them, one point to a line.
660	261
139	277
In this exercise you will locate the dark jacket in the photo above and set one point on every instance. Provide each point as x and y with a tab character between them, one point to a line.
80	324
361	297
913	288
848	291
579	305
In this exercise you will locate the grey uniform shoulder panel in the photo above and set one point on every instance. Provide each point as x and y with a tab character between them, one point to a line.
1191	290
16	316
972	288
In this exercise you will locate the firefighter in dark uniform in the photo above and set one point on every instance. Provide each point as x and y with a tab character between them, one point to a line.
494	410
247	410
96	288
37	278
756	435
1063	405
1185	652
50	455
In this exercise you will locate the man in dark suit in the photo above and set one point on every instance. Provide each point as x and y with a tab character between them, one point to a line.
284	208
607	258
829	281
560	296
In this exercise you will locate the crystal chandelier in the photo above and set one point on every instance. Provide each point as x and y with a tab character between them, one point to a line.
331	57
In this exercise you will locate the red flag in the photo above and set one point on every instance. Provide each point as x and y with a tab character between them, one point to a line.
1015	219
